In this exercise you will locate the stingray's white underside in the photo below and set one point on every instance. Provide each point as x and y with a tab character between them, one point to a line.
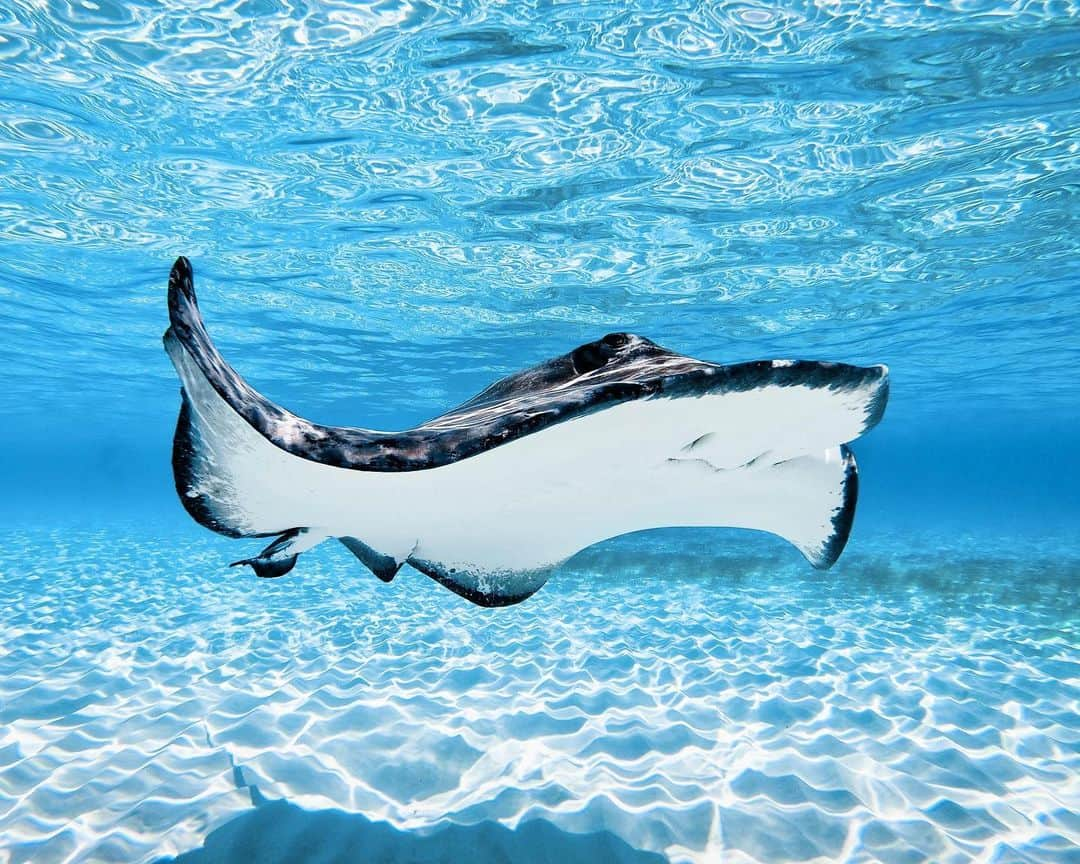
767	459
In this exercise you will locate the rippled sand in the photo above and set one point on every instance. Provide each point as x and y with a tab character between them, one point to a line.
707	699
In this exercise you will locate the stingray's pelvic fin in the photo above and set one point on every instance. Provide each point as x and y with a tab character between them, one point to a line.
279	557
383	566
269	568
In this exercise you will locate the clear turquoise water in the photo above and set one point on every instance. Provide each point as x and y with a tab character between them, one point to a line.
390	205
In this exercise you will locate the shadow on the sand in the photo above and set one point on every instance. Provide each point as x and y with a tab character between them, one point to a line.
281	833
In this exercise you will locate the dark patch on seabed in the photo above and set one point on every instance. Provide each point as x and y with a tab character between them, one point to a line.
278	831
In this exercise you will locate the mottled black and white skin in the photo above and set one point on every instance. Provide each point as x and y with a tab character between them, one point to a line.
619	435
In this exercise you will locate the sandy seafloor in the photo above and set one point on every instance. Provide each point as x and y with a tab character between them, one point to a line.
681	696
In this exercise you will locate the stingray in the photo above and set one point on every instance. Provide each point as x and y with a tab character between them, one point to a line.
619	435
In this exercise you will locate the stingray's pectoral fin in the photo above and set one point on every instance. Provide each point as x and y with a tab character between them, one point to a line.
813	503
809	500
382	565
279	557
483	587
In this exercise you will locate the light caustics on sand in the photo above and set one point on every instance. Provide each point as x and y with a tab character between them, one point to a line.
617	436
921	709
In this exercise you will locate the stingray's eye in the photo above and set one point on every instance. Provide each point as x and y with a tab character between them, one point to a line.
591	357
616	340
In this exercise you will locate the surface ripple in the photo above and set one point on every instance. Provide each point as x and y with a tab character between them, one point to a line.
371	191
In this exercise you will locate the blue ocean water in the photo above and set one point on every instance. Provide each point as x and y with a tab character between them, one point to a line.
390	205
